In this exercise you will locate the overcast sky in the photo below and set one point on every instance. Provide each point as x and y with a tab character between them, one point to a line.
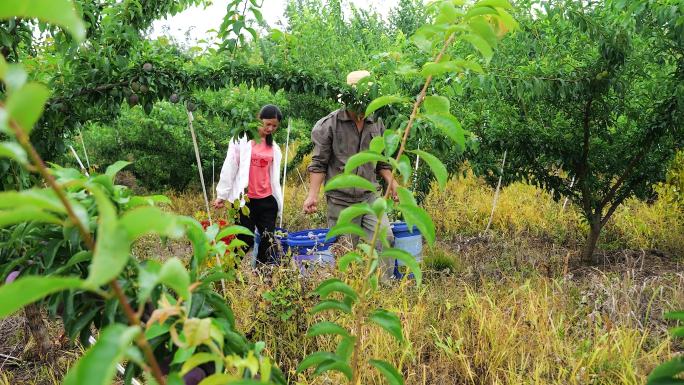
198	20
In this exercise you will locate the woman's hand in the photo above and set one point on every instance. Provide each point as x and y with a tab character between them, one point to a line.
219	203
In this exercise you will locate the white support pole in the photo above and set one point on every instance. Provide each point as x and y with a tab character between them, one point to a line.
287	152
80	134
78	160
119	367
565	202
415	171
213	184
204	187
496	193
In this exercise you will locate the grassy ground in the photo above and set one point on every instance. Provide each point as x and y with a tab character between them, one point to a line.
514	306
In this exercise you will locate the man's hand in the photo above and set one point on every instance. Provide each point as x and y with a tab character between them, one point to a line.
218	203
310	204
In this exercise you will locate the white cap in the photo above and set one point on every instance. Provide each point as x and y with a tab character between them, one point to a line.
355	76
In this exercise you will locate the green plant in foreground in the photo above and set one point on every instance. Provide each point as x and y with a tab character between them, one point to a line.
183	315
671	372
480	25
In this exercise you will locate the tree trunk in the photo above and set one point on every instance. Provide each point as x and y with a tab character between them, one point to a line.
38	329
592	239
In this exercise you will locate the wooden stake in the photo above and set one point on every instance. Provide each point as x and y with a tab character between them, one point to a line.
204	188
496	193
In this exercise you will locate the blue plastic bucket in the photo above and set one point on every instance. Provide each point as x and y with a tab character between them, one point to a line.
409	240
311	261
307	242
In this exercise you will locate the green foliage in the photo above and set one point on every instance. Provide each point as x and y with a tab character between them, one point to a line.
160	146
604	107
84	227
669	372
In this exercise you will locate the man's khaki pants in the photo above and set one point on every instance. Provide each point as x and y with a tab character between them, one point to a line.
367	223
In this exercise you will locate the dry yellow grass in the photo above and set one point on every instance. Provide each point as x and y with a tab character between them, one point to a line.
513	308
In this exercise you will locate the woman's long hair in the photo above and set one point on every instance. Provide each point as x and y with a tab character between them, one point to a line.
270	111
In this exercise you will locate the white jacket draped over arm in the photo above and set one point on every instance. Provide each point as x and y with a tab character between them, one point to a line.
234	177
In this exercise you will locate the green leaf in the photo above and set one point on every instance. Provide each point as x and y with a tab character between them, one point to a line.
315	359
148	278
388	321
665	373
227	379
114	169
345	348
98	364
15	77
59	12
337	366
29	289
494	3
470	65
421	219
435	104
677	332
348	214
450	126
345	229
26	105
15	152
677	315
448	14
436	69
406	196
362	158
150	220
349	181
174	275
233	230
480	11
382	102
481	45
26	214
34	198
349	258
408	260
335	285
438	168
377	144
325	327
422	42
156	330
150	200
483	29
509	22
391	374
379	206
331	304
392	141
112	247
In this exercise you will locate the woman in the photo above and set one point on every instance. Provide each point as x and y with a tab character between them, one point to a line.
254	167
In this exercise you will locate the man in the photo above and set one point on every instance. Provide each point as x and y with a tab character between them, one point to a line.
336	138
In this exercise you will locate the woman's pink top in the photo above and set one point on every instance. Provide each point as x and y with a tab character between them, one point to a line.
260	171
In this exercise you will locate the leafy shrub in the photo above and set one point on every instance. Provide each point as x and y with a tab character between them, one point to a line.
464	207
160	144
